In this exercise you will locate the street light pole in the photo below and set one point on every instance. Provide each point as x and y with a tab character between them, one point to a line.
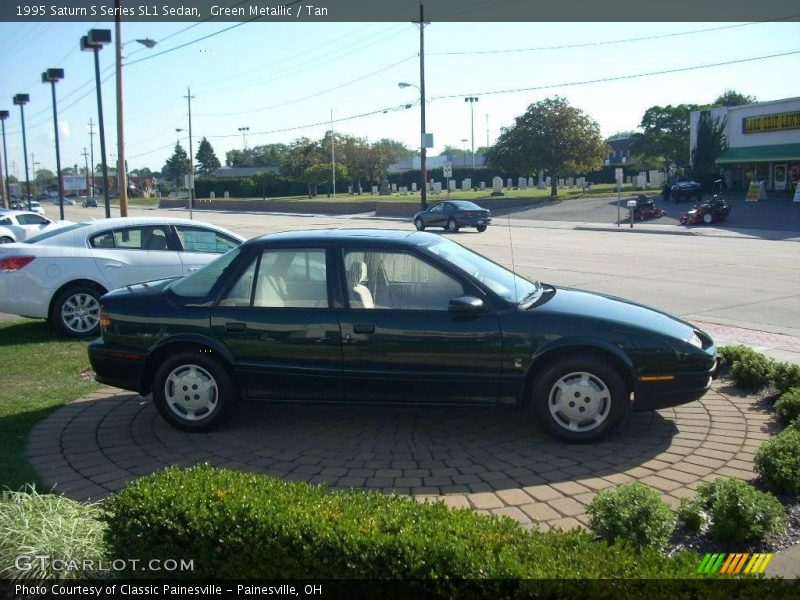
189	97
91	155
333	155
244	131
423	158
4	114
94	41
21	100
51	76
472	100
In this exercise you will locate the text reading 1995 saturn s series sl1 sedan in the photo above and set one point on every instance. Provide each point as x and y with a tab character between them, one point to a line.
391	316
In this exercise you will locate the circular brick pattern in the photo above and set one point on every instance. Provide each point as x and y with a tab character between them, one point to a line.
491	460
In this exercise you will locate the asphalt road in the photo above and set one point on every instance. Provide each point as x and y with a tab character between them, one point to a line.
727	278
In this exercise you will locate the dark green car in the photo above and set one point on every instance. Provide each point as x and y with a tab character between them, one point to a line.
392	317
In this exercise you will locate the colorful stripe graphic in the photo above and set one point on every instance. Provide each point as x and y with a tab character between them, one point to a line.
734	563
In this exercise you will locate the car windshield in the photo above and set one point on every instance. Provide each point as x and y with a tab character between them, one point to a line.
200	283
509	286
55	232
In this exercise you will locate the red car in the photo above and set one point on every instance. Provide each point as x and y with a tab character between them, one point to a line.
646	209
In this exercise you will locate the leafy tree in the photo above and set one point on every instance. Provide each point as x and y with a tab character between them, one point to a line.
710	144
551	136
301	154
665	134
177	166
322	174
733	98
207	161
621	135
44	177
645	162
240	158
269	155
393	150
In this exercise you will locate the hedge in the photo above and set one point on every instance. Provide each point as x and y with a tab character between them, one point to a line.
238	526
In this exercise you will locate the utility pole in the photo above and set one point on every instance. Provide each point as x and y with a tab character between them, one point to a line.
91	146
423	162
472	100
487	130
189	97
122	175
33	166
86	169
333	155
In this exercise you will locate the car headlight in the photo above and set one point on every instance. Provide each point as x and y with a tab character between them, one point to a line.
695	340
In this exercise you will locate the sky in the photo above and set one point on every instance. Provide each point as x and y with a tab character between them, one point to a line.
285	80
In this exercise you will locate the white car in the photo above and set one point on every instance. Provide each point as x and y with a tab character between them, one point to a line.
19	225
61	274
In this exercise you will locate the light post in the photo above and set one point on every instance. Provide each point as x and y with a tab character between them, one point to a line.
51	76
189	97
243	131
464	158
472	100
4	114
423	156
21	100
93	42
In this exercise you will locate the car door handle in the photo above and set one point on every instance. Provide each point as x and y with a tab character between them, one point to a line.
235	327
363	328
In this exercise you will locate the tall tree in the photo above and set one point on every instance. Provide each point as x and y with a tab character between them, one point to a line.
301	154
207	161
621	135
665	134
733	98
394	150
322	174
710	144
269	155
551	136
177	165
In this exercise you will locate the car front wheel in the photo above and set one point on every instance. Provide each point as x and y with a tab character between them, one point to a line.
708	218
76	312
481	228
580	399
193	392
452	226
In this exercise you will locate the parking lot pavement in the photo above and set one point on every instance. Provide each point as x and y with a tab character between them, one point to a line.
489	460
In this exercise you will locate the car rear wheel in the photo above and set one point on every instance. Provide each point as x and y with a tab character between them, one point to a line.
708	218
452	226
580	399
76	311
6	240
193	392
481	228
419	224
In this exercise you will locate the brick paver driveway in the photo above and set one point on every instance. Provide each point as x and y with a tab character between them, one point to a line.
487	459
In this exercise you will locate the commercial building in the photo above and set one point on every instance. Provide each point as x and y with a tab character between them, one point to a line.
763	143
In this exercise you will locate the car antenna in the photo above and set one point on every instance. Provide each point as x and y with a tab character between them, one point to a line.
511	246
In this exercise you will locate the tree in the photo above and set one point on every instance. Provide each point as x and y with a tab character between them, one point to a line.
301	154
621	135
733	98
322	174
393	150
177	165
711	142
269	155
207	161
665	134
551	136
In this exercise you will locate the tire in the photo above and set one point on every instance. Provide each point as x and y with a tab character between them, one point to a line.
6	240
708	218
452	226
419	224
76	311
481	228
580	383
193	392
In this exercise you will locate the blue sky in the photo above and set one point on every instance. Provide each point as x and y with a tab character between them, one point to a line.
280	79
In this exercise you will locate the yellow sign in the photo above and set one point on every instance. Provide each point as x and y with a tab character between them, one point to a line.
755	192
773	122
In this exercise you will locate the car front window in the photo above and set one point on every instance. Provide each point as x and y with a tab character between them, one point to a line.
509	286
200	283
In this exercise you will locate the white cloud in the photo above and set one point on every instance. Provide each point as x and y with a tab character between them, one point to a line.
64	129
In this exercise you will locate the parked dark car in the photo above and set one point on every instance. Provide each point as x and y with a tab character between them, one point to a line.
394	317
89	202
453	215
683	190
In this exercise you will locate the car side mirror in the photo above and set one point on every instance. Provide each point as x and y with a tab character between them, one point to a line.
466	304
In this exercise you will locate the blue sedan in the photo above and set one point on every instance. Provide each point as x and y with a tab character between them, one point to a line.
453	215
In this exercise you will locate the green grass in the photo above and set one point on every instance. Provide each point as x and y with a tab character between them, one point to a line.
41	370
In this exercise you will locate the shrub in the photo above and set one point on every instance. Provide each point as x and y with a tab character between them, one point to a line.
238	526
785	376
33	524
738	512
788	405
751	370
778	461
692	512
730	354
632	512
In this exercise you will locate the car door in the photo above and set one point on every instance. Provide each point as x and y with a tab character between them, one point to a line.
200	245
435	216
278	322
134	254
400	343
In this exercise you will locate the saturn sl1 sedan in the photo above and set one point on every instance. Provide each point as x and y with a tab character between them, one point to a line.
392	317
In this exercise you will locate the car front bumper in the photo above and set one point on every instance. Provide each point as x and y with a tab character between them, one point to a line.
682	388
115	366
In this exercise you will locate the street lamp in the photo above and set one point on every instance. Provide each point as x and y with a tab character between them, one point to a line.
4	114
243	131
51	76
191	158
21	100
464	159
424	139
93	42
472	100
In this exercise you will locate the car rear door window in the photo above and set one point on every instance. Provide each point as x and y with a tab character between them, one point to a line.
200	239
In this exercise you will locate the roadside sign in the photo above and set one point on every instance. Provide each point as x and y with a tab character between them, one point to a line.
448	170
796	194
74	183
757	191
618	175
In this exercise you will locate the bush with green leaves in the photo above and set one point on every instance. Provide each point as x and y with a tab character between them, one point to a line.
692	512
738	512
236	525
778	461
33	524
788	405
632	512
731	353
785	376
751	370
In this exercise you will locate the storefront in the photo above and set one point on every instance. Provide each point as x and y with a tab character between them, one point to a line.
763	143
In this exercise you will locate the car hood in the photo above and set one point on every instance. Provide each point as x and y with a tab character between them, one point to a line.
572	302
145	288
